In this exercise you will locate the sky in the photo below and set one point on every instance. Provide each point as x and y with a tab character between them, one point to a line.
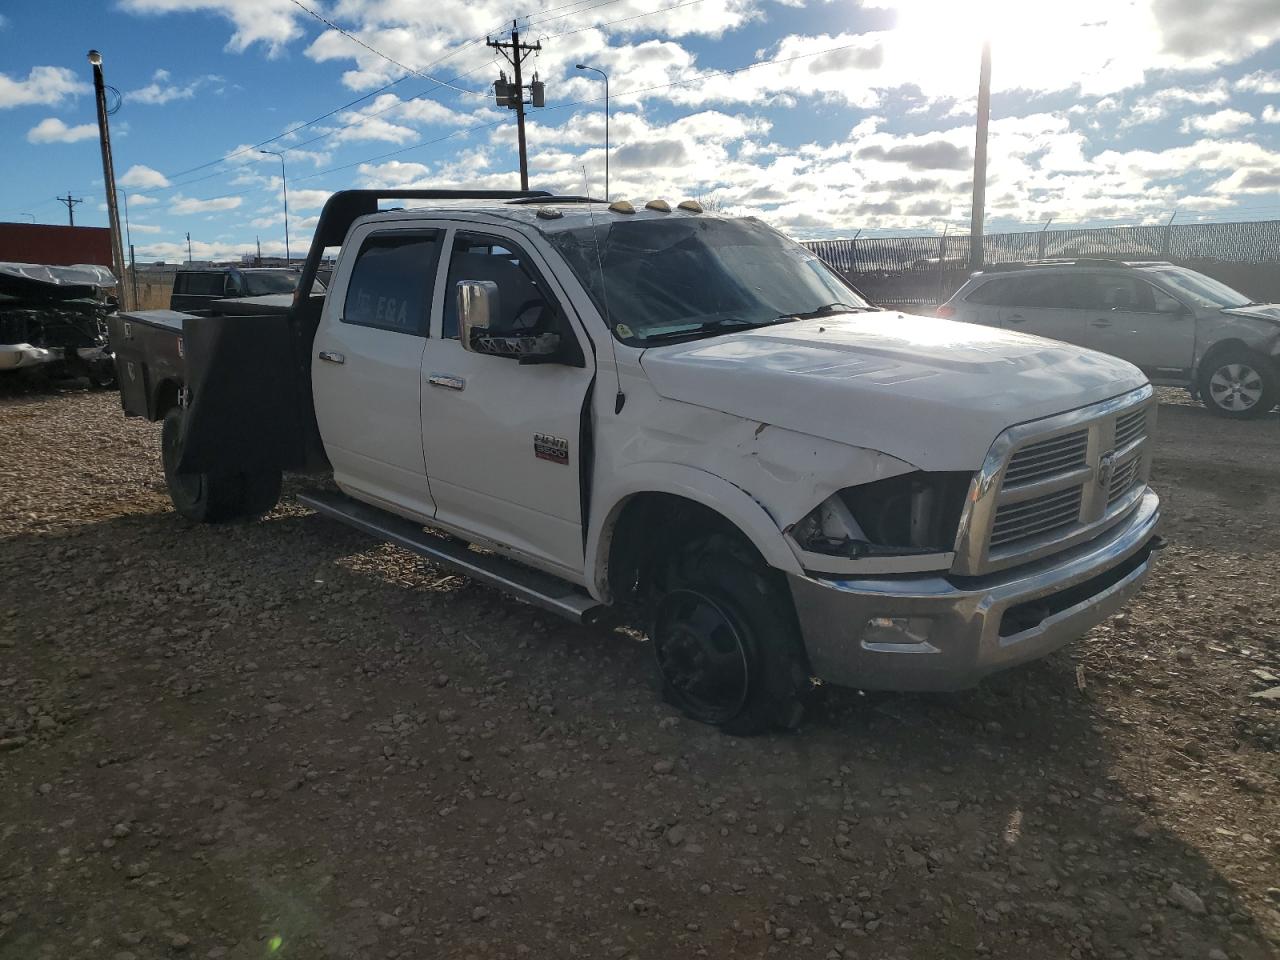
826	118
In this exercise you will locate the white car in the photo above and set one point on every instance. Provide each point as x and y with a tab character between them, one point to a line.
680	415
1179	326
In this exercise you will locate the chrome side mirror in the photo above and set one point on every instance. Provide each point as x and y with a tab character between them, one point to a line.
477	308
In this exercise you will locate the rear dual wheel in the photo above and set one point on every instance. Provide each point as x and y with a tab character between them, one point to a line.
213	496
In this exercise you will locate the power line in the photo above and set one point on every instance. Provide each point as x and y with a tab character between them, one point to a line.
354	39
609	23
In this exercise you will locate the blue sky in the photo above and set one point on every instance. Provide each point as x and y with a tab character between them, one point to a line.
855	115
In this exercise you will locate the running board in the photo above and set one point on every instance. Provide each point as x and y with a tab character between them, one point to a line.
540	589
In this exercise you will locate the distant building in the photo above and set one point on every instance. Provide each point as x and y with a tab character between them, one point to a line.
55	245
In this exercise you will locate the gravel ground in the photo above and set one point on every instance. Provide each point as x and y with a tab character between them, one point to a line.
281	738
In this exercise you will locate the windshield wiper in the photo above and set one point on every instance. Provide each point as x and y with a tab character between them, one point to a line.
718	325
827	310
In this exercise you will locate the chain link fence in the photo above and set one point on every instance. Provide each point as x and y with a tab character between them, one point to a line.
924	271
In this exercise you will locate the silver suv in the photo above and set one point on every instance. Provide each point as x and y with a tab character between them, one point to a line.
1179	326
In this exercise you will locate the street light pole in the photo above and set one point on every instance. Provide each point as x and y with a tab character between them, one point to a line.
583	66
284	182
978	215
108	170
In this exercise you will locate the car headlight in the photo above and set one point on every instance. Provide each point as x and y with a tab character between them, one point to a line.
913	513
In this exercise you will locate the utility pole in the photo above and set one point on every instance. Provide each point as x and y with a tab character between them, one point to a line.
71	202
108	172
980	160
189	248
511	95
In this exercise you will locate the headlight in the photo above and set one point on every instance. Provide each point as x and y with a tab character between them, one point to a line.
908	514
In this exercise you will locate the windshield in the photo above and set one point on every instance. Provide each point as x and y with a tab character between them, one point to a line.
1201	290
686	276
275	281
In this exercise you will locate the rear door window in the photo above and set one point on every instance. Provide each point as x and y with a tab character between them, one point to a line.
1105	291
392	282
993	293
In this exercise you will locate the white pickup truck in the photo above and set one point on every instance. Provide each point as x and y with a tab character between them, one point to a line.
688	416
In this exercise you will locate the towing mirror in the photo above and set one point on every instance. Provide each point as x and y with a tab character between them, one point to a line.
477	308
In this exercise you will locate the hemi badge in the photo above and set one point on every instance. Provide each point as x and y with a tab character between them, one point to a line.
547	447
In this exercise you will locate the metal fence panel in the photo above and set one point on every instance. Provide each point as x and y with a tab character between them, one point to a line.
927	270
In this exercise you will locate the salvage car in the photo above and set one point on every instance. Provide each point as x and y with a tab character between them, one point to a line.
1182	328
665	414
53	320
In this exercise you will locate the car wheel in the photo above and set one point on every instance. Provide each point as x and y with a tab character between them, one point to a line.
1237	383
725	640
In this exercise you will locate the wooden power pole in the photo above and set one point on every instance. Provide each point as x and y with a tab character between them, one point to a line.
511	95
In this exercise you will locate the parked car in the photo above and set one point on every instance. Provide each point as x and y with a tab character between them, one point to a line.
1179	326
680	417
199	289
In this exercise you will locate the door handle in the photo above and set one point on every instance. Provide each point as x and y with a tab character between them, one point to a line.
1100	323
446	381
330	357
1017	318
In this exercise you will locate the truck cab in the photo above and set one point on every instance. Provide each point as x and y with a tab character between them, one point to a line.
686	418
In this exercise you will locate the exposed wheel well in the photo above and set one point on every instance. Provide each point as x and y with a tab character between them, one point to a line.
649	529
1221	347
164	398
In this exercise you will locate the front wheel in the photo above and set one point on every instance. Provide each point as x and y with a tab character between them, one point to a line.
726	642
1237	383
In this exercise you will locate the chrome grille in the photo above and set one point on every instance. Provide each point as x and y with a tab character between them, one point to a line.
1029	518
1123	479
1051	484
1129	427
1047	457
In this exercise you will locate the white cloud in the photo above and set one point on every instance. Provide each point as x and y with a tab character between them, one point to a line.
141	200
44	85
308	199
160	91
1260	82
53	130
143	177
1270	114
147	228
270	22
186	205
1224	121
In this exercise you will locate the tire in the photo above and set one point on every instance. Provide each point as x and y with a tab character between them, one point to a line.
200	497
1237	383
261	492
725	640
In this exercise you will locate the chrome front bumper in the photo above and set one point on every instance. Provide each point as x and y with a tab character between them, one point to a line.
938	632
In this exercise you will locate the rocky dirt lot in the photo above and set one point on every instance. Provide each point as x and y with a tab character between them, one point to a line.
282	739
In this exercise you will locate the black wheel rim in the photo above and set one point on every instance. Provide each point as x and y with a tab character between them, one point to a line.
701	655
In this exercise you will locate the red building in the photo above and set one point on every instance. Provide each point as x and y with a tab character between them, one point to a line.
57	246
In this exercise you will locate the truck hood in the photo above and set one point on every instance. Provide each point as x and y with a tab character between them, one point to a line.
931	392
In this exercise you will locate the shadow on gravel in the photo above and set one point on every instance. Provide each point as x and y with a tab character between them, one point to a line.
298	722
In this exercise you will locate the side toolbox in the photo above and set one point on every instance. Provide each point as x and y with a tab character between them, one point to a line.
149	352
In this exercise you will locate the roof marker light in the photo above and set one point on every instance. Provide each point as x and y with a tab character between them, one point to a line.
693	206
622	206
660	205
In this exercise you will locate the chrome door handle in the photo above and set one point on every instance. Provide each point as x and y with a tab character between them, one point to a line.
1100	323
329	357
446	381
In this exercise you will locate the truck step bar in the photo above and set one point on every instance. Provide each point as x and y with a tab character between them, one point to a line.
540	589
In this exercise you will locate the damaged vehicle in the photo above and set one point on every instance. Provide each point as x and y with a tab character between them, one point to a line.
53	321
679	417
